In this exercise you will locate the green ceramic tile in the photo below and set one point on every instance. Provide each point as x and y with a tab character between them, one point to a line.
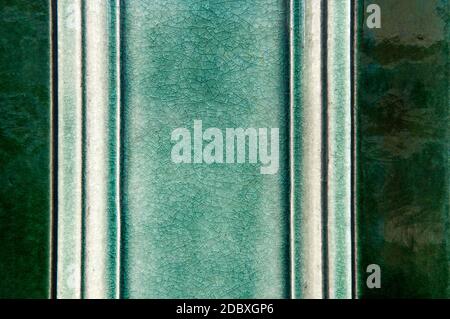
402	149
25	149
132	223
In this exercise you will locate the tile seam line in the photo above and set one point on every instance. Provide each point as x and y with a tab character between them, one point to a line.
324	145
53	258
83	149
118	172
353	76
291	151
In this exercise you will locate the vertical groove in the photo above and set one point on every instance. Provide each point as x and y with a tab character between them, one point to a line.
83	149
118	147
291	152
54	149
324	146
300	238
353	33
122	130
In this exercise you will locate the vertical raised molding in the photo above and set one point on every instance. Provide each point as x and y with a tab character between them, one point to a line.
339	221
101	208
69	206
89	149
320	149
310	171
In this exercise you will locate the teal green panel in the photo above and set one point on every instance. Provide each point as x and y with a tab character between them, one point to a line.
198	230
403	149
25	149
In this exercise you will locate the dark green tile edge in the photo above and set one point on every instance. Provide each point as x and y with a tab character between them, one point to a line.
402	150
25	118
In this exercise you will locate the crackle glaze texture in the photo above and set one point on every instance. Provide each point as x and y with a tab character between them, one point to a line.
403	149
196	230
133	224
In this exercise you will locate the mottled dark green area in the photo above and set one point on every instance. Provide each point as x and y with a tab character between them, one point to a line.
403	150
24	149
